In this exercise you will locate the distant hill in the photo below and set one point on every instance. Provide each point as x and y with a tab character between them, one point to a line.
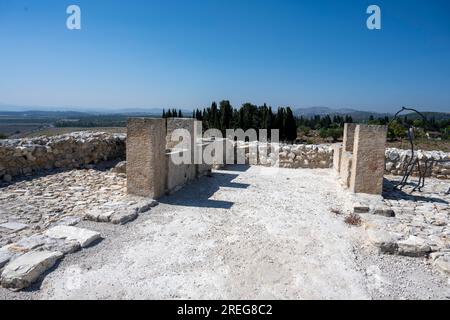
357	115
438	116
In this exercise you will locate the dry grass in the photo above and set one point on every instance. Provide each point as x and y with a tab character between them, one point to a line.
353	219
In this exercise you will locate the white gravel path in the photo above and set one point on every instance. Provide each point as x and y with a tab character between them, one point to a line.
245	233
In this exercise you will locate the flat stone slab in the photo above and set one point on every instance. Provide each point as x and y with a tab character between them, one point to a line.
413	247
13	226
83	236
5	256
68	221
43	242
26	269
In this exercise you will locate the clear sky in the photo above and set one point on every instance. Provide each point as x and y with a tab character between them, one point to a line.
187	53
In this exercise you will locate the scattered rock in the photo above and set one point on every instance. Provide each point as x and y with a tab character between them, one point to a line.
83	236
26	269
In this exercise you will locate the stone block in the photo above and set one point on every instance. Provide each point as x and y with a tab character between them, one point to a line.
83	236
349	137
146	159
368	161
13	226
346	167
413	247
337	154
26	269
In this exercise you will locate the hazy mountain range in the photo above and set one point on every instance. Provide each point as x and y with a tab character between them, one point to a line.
69	112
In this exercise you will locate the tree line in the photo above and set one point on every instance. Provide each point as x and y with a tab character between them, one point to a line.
224	116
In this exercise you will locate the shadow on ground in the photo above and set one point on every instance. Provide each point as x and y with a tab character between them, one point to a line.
393	194
199	192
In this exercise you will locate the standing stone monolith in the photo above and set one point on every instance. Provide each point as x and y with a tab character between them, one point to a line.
146	159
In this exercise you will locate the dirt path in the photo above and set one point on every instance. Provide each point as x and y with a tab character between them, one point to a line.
245	233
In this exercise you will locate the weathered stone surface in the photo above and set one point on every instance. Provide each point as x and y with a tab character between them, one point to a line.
385	212
61	198
146	205
361	208
68	221
124	216
121	167
443	263
13	226
43	242
99	215
26	269
5	256
73	150
83	236
146	159
384	240
368	159
413	247
397	158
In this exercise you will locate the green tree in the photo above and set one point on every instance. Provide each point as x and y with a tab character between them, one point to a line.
290	125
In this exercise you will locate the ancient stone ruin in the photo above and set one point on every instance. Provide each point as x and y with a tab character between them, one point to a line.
360	160
49	185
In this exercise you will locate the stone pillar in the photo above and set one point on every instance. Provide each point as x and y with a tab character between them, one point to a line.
337	154
146	159
179	174
349	137
368	159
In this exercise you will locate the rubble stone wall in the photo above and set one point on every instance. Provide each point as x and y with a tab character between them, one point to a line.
396	159
74	150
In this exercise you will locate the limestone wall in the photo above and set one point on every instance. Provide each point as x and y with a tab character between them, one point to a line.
25	156
397	158
295	156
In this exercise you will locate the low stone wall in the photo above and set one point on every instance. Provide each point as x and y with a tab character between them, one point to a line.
396	159
295	156
25	156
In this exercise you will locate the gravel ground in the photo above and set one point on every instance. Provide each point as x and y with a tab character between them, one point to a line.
245	233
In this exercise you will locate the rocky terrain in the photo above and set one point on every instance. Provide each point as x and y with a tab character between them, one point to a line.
409	223
38	217
244	232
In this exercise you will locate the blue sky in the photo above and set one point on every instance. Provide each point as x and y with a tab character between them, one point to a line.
187	53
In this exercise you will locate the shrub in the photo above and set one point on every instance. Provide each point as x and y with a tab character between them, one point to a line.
353	219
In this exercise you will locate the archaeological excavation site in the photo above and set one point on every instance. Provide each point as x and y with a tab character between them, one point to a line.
144	215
